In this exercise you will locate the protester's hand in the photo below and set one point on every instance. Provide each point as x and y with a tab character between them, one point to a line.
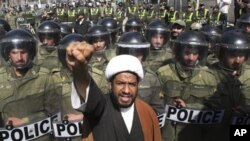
74	117
14	121
78	55
179	101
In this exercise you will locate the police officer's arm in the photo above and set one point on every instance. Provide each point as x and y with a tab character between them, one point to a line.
78	55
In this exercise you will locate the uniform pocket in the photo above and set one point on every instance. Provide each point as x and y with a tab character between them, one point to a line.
173	88
199	93
6	91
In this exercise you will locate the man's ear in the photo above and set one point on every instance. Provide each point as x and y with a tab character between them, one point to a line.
110	85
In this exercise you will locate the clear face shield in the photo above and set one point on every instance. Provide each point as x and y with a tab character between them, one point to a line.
18	54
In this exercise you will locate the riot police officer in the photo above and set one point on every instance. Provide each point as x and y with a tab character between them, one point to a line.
173	15
213	35
202	15
132	10
186	84
133	24
109	10
244	23
64	77
94	14
112	27
217	18
99	37
28	92
133	43
189	16
49	35
158	34
233	75
5	25
65	29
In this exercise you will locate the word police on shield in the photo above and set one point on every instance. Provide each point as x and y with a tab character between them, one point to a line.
67	129
30	131
162	119
191	116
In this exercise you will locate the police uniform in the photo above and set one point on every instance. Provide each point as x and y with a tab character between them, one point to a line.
149	90
132	11
63	81
188	17
151	14
72	12
108	11
232	93
163	15
158	58
11	18
32	97
202	16
94	14
193	88
47	59
173	16
61	14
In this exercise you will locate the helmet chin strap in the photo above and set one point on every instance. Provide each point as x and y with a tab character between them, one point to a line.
231	71
29	64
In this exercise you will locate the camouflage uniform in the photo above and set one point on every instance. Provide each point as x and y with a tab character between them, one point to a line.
47	59
32	97
193	88
157	59
233	96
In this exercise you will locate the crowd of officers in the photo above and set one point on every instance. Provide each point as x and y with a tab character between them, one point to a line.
204	67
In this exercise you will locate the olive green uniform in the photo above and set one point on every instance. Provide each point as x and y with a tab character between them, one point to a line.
32	97
12	20
149	90
193	87
158	58
232	93
47	59
63	79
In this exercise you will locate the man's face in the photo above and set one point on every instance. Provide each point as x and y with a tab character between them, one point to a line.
19	57
125	87
99	44
176	30
157	41
190	56
48	41
234	60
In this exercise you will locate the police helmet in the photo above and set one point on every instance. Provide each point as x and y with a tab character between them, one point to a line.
157	27
18	39
65	29
50	29
211	33
233	43
111	25
2	32
191	40
47	6
73	37
133	43
98	32
5	25
133	24
244	19
120	4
